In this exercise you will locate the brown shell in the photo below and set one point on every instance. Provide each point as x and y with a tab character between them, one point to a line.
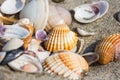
67	64
61	38
109	49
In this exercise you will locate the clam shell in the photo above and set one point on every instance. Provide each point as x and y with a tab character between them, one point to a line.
26	63
66	64
108	49
12	6
37	11
61	38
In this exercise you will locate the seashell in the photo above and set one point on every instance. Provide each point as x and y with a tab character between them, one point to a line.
9	56
58	15
40	15
108	49
66	64
41	35
13	44
87	13
12	6
26	63
57	1
61	38
7	20
85	33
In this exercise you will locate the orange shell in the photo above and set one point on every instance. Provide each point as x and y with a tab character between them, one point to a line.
108	49
61	38
67	64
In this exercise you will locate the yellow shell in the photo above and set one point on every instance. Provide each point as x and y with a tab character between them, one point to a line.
61	38
109	49
67	64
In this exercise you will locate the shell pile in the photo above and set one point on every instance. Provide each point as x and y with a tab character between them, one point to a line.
41	29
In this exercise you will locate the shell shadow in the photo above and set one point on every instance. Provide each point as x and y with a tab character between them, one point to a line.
91	48
117	16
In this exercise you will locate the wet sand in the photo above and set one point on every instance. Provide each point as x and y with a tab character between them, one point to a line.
103	27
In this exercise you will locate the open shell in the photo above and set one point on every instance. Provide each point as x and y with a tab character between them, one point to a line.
109	49
26	63
61	38
67	64
12	6
87	13
37	11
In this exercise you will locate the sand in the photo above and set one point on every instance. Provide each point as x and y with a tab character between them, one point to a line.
103	27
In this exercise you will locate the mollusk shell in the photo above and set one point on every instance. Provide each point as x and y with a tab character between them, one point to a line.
67	64
109	49
37	11
61	38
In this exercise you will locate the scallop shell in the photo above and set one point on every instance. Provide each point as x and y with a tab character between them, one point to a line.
37	11
12	6
67	64
26	63
61	38
109	49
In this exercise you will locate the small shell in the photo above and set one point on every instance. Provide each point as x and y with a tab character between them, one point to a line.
67	64
12	6
85	33
57	1
26	63
61	38
13	44
109	49
37	11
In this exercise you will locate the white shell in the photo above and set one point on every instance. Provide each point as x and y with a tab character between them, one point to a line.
23	60
12	6
37	11
13	44
88	13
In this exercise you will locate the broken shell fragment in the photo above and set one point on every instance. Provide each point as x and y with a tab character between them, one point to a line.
67	64
88	13
2	56
109	49
26	63
13	44
40	16
12	6
57	1
85	33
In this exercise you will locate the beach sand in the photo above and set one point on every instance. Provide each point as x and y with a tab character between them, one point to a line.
102	27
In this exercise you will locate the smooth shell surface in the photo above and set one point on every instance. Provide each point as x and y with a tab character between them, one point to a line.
37	11
12	6
66	64
109	49
61	38
26	63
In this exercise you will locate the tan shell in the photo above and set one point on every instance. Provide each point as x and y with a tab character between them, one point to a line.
109	49
67	64
61	38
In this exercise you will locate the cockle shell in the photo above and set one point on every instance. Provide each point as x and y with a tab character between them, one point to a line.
67	64
109	49
87	13
12	6
26	63
61	38
58	15
37	11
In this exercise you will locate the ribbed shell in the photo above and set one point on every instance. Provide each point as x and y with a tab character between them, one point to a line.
109	49
61	38
67	64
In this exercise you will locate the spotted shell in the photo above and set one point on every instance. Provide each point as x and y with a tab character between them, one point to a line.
67	64
109	49
61	38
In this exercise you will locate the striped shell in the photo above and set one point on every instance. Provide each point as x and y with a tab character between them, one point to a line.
109	49
61	38
67	64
